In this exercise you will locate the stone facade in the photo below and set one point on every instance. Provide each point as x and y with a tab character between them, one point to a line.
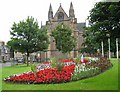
71	21
4	52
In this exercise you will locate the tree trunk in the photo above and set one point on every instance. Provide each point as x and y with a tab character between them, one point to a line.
27	58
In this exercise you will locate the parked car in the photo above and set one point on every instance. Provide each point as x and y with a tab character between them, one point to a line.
20	60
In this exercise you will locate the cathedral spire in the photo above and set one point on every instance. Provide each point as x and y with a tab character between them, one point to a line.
50	8
50	12
71	5
60	5
71	11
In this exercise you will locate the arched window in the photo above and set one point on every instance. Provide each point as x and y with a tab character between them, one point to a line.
60	16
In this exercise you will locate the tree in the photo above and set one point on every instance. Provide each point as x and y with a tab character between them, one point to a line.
27	37
64	40
104	19
90	43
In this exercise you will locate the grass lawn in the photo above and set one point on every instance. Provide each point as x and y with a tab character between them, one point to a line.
105	81
0	78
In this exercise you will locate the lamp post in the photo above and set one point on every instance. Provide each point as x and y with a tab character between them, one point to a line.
117	47
108	35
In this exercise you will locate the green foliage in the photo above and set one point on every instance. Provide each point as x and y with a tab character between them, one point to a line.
104	19
77	59
27	37
91	42
64	40
91	69
53	62
109	77
56	64
59	66
102	64
85	74
33	68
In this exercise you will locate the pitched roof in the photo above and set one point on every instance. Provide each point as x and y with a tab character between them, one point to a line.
60	9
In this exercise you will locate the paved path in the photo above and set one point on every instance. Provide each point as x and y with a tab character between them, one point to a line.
5	64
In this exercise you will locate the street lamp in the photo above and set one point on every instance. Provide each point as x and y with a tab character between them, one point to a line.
108	35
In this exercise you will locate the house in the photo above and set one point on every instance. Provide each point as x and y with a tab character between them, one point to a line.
4	52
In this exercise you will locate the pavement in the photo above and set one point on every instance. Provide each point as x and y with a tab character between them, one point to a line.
7	64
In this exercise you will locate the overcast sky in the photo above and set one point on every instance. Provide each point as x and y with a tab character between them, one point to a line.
16	10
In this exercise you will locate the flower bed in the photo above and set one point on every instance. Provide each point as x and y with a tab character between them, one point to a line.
71	71
66	62
44	76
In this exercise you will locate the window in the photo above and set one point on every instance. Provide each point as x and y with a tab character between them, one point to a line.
60	16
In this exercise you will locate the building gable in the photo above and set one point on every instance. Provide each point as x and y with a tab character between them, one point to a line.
60	15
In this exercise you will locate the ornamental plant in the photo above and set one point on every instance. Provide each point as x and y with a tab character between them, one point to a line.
53	62
46	76
56	64
61	74
77	60
33	68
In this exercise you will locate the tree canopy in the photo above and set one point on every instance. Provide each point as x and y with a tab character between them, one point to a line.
27	37
64	40
104	19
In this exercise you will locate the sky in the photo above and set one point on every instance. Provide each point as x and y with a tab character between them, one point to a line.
16	10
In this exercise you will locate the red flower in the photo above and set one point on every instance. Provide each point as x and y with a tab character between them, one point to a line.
48	75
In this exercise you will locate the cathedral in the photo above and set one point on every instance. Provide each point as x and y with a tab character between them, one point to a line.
69	20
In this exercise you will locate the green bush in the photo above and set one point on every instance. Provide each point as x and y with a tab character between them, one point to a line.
59	66
53	62
77	59
56	64
33	68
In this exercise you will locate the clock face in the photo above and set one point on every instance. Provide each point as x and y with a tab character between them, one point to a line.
60	16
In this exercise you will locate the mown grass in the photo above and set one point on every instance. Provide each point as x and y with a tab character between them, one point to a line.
0	78
107	80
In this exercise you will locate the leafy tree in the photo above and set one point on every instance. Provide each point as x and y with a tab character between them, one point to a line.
104	19
27	37
64	40
90	43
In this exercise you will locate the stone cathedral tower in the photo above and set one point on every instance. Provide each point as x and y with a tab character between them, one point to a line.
61	17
